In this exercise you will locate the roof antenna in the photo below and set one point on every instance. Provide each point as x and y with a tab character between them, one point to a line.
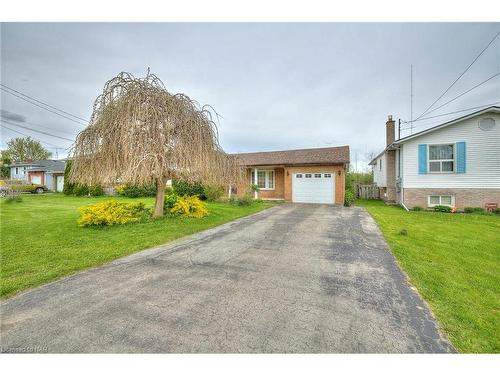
411	99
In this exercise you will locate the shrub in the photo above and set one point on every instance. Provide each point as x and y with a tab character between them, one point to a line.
134	191
183	188
496	211
349	198
440	208
170	201
11	195
83	190
213	192
354	178
245	200
417	208
112	213
79	189
472	210
169	190
68	187
190	207
253	188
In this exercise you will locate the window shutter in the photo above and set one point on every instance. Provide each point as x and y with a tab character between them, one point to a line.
460	157
422	159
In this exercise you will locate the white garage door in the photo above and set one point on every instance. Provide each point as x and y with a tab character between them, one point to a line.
313	187
59	183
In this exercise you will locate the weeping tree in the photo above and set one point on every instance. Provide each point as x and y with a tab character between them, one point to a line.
141	134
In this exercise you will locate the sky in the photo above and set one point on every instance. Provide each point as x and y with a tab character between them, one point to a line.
276	85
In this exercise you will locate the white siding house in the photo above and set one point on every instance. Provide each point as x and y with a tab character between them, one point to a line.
379	170
456	163
482	156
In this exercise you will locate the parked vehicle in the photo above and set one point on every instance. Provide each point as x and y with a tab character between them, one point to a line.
21	186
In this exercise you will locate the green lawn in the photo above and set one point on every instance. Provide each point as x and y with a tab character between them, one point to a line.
40	240
454	261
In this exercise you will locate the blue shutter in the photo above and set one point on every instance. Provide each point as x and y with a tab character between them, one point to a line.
422	159
460	157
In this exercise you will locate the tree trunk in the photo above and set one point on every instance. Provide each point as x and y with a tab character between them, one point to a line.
160	198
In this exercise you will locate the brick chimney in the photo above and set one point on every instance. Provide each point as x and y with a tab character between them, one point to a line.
390	130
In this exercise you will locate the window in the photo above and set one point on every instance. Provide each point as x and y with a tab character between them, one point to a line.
441	200
328	175
441	158
17	170
298	175
380	165
317	175
308	175
265	179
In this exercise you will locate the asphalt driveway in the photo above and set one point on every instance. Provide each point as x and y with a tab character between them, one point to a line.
294	278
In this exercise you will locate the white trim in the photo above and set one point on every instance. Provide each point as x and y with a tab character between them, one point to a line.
266	178
440	199
492	109
454	160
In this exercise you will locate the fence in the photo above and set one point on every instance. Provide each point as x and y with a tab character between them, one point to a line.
367	192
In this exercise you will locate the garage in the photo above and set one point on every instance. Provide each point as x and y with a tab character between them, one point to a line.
316	187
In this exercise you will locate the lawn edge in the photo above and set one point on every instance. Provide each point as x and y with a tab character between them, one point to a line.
442	332
138	254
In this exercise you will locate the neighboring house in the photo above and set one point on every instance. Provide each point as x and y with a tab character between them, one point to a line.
314	175
42	172
455	164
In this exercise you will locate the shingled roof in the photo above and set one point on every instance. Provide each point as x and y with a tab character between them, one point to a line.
327	155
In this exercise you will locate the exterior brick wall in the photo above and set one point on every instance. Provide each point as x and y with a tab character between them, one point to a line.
391	176
283	181
463	197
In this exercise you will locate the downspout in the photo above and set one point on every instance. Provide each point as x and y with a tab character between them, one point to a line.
400	171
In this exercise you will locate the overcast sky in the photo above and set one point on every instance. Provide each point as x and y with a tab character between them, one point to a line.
277	86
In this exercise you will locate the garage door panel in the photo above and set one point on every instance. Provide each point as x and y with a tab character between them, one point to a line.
313	189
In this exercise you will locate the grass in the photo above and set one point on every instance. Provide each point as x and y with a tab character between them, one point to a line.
454	261
41	241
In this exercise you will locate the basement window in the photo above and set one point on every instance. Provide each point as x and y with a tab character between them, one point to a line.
441	200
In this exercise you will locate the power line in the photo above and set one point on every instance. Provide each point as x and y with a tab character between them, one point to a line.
460	76
465	92
46	104
38	125
42	107
27	135
37	131
446	114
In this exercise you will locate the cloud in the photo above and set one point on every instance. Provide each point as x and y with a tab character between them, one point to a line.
11	116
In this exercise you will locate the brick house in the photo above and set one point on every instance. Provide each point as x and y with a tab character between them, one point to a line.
456	163
314	175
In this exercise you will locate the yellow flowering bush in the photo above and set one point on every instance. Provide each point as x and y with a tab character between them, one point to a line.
190	207
111	213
